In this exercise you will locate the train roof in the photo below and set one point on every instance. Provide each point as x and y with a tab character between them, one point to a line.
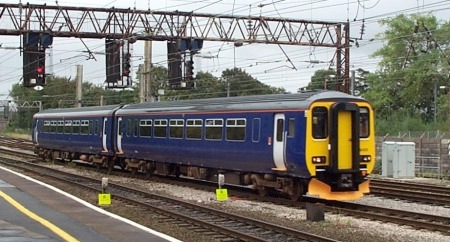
76	112
262	102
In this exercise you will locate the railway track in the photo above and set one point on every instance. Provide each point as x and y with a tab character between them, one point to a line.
217	224
15	143
418	192
416	220
408	218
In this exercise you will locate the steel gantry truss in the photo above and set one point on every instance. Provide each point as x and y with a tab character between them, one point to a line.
113	23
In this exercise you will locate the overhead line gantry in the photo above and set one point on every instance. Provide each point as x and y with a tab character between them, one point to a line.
132	24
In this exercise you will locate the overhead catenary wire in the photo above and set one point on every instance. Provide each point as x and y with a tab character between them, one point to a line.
239	60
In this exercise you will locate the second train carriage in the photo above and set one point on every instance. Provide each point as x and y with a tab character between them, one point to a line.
74	133
316	142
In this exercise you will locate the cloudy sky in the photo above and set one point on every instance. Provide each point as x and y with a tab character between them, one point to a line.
267	63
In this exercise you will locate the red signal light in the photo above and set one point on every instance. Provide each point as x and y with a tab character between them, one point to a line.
40	70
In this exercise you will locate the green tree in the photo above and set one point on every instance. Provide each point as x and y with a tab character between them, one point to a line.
413	65
242	84
323	79
361	85
208	86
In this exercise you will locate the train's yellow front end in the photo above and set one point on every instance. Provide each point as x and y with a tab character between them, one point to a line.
340	152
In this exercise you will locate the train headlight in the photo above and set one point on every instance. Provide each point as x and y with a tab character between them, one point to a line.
366	158
319	159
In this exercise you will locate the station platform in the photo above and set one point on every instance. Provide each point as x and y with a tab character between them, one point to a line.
37	212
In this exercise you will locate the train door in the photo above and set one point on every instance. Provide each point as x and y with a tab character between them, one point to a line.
104	135
35	133
279	142
344	137
119	135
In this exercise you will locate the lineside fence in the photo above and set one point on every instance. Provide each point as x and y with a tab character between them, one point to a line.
432	152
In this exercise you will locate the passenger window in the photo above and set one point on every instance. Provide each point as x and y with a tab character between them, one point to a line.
194	128
119	125
236	129
291	128
319	122
96	127
160	128
280	129
128	127
60	127
76	127
363	122
176	128
213	129
46	126
91	127
54	126
256	129
68	127
145	128
84	127
136	128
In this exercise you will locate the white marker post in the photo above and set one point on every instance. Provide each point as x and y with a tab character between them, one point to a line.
221	194
104	199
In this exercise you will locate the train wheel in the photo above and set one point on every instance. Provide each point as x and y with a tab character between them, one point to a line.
296	192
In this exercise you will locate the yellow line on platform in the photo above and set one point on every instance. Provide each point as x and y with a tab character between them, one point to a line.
61	233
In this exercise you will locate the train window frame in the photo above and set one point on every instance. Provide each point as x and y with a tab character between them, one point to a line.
280	130
46	128
160	127
235	129
212	128
291	128
96	127
68	127
364	128
256	130
91	127
143	123
128	128
319	122
76	127
194	129
53	126
84	127
60	127
135	127
176	128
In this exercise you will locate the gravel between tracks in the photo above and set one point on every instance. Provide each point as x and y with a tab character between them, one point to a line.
339	227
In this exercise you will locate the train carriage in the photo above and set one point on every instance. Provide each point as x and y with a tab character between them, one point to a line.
317	142
74	133
320	142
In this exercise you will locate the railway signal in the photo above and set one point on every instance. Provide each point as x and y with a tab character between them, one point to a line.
126	65
190	69
40	72
34	46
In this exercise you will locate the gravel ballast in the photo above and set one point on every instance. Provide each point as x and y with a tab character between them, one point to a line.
339	227
335	226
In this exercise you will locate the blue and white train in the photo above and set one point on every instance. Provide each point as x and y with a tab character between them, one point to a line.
319	142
